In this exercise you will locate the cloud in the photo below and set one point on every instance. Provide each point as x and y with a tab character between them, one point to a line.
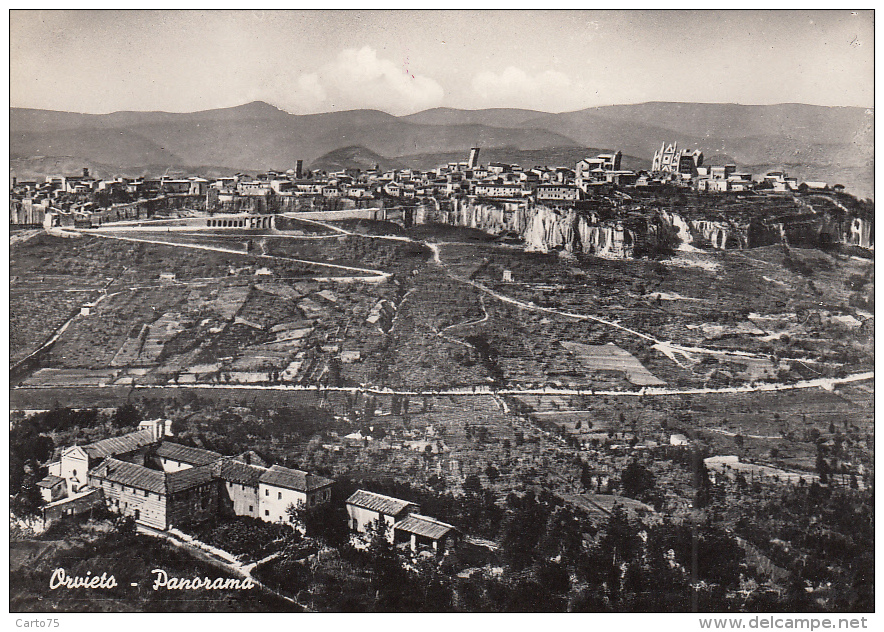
513	87
358	78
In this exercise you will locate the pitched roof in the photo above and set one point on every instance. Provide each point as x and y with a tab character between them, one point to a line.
234	471
386	505
250	457
186	454
150	480
424	526
130	474
119	445
191	477
50	481
298	480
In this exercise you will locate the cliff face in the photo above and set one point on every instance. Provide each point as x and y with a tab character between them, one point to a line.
544	228
718	235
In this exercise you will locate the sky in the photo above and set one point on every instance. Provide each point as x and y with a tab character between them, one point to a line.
404	62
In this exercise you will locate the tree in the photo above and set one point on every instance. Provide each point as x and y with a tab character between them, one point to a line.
472	485
563	535
822	467
125	525
522	531
326	522
28	499
585	477
126	416
387	574
621	538
636	480
492	473
436	483
554	577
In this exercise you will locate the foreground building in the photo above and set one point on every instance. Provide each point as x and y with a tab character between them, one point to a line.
424	532
365	508
157	499
161	484
404	523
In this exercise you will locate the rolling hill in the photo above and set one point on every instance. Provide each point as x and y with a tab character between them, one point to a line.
353	157
823	143
253	136
493	117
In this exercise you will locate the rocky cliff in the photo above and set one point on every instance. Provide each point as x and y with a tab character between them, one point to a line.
543	229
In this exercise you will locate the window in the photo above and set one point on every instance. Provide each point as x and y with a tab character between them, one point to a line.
250	508
74	472
279	496
266	512
137	514
266	492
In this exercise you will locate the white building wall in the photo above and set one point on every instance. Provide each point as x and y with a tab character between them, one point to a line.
359	518
273	502
170	465
74	466
245	499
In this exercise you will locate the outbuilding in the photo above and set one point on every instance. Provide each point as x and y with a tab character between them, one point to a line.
423	532
364	508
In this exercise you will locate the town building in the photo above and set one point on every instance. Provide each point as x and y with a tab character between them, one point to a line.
557	192
668	159
365	508
495	190
474	158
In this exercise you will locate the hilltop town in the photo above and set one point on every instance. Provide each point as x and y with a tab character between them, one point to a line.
505	387
83	200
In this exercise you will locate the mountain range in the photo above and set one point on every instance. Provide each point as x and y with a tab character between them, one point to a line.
835	144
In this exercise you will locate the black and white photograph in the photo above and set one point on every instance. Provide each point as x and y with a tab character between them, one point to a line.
442	311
